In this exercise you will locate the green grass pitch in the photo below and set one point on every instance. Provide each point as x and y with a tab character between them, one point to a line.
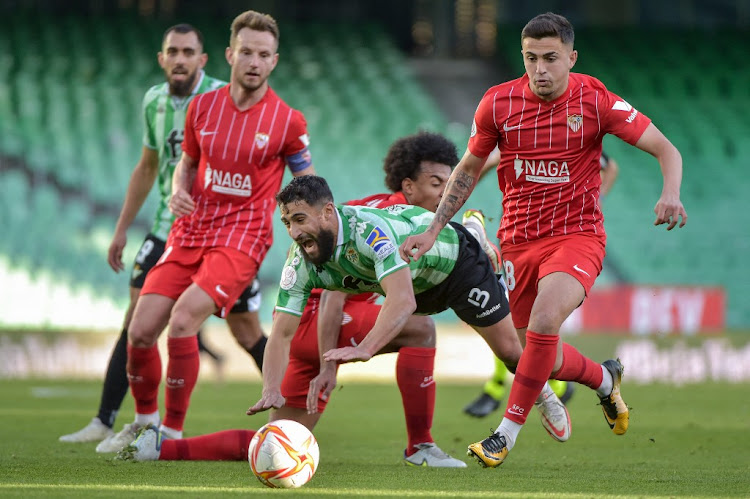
683	442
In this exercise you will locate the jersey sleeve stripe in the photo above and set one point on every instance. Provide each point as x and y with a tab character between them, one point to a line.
288	311
391	271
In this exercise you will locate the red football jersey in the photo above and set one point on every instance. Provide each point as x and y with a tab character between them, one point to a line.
380	200
241	158
549	164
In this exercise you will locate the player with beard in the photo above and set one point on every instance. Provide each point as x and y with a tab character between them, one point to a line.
354	249
416	167
164	106
238	140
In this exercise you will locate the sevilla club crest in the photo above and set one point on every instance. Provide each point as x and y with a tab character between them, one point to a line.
261	140
575	121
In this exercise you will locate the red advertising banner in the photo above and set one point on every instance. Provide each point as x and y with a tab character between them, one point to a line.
651	310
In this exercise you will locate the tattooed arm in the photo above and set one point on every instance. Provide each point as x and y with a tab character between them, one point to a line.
460	185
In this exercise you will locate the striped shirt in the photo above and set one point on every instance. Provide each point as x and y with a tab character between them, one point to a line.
366	252
549	166
163	131
241	157
374	201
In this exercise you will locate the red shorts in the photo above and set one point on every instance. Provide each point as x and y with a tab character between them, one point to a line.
223	273
579	255
304	357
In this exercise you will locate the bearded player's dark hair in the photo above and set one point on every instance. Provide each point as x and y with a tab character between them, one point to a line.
311	189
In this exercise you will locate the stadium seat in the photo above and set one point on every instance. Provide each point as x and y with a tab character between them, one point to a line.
73	115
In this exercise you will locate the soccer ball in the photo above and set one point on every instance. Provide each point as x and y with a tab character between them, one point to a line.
283	454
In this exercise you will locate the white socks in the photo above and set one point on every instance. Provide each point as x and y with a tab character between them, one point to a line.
153	418
146	419
170	433
509	430
607	383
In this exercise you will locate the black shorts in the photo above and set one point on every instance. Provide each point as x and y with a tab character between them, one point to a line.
150	252
474	292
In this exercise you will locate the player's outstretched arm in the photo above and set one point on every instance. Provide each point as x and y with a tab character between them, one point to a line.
181	202
457	191
668	208
141	181
329	329
275	360
398	305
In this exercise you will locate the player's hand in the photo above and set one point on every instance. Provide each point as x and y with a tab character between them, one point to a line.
181	203
267	401
347	354
669	210
114	255
324	382
415	246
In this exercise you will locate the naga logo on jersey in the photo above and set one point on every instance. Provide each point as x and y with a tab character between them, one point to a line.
261	140
379	241
622	105
575	121
542	171
223	182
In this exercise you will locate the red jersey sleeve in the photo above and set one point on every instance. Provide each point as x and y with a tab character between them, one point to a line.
190	142
622	119
296	152
484	132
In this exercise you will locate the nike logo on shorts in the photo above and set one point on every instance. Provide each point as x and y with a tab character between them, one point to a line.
579	269
221	291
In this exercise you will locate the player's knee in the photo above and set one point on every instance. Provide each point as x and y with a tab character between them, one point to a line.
419	332
141	336
182	323
545	321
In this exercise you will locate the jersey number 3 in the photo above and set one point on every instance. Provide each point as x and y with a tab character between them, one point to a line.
478	297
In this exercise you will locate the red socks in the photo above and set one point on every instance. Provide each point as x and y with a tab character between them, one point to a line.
414	370
576	367
144	375
534	368
229	445
182	374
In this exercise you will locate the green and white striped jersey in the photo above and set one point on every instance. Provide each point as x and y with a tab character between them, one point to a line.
367	251
163	131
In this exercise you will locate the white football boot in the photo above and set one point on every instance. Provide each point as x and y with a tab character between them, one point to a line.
118	441
429	454
554	414
146	446
95	431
